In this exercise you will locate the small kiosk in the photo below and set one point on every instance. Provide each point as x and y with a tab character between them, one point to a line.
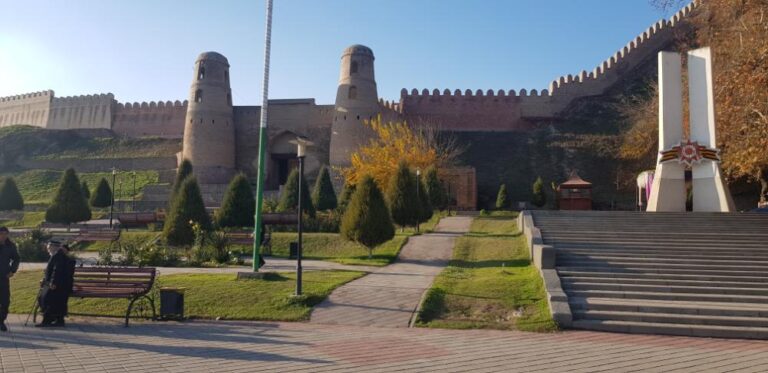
575	194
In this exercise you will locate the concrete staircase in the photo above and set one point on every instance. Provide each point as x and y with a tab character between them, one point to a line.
695	274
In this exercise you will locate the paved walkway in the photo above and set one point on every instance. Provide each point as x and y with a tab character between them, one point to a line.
103	345
389	296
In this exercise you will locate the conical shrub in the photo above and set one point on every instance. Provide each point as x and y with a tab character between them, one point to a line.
102	197
289	200
239	206
367	220
69	204
435	189
401	196
10	197
502	200
539	197
183	172
425	207
323	195
187	208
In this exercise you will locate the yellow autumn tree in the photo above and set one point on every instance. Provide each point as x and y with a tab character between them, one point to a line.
391	143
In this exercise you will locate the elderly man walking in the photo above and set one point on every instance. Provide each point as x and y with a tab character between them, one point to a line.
56	286
9	264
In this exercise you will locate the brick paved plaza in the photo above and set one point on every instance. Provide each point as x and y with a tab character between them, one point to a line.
103	345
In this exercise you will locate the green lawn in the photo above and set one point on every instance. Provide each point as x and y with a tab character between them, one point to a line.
39	186
332	247
490	283
132	237
211	295
30	220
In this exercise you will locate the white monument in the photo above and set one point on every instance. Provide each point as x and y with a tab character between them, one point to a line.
668	191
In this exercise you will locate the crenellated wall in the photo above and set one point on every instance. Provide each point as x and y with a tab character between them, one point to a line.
89	111
161	119
30	108
502	110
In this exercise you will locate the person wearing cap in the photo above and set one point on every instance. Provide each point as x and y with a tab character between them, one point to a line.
9	264
56	285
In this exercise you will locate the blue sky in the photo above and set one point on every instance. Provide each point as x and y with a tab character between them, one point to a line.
143	50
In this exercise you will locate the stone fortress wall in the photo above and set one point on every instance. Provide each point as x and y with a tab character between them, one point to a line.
510	110
161	119
30	108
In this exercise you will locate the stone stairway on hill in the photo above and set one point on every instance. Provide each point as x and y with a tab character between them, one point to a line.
696	274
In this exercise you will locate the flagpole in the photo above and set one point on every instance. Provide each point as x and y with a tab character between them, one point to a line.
262	142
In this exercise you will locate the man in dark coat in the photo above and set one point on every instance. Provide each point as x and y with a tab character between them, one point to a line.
56	286
9	264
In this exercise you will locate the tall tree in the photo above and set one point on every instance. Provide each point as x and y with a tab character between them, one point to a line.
69	204
539	197
435	189
401	196
425	206
502	200
102	197
239	206
323	195
10	197
86	190
183	172
289	200
367	220
187	207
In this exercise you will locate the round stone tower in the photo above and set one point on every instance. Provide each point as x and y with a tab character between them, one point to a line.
356	102
209	130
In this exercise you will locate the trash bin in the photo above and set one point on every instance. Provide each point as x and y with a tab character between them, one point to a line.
172	303
294	250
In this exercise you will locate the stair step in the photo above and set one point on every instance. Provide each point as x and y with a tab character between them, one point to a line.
570	280
670	318
564	258
675	289
691	297
656	276
653	269
662	254
716	309
715	331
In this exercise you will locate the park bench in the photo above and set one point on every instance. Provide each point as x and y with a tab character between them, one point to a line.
132	283
99	235
133	219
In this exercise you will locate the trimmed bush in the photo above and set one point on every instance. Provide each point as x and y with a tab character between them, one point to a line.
289	200
502	200
346	195
186	208
86	191
102	197
69	206
425	207
437	196
401	195
10	198
323	195
238	206
183	172
367	220
539	197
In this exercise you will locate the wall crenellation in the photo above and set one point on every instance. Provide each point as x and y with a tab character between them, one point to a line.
151	104
48	93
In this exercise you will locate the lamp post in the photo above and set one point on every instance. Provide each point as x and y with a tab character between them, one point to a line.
418	173
112	205
301	148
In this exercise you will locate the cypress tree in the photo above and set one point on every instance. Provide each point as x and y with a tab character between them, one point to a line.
184	171
367	220
239	206
323	195
346	195
69	204
401	195
10	197
186	207
425	206
435	189
501	198
102	197
289	200
86	190
539	197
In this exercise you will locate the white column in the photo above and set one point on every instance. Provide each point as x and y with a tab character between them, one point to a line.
709	191
668	190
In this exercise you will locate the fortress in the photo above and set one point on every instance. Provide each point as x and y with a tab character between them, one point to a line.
222	139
